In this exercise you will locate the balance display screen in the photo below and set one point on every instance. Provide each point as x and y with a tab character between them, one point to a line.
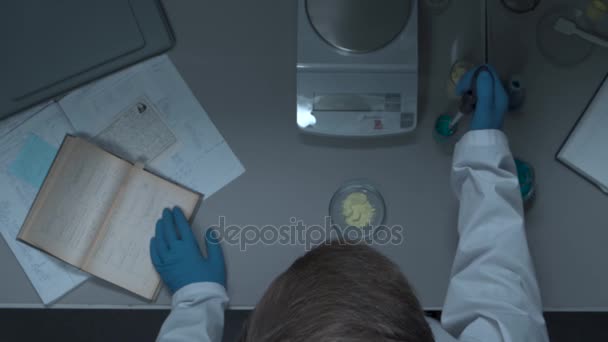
387	102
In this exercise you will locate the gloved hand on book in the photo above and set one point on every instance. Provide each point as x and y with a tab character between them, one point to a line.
176	255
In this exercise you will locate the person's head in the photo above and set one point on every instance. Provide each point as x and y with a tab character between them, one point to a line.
339	292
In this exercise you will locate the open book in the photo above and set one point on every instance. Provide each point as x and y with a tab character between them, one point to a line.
98	213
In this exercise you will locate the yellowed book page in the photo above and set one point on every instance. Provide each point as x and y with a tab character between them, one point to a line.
121	254
74	200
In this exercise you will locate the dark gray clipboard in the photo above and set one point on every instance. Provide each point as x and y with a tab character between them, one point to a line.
149	34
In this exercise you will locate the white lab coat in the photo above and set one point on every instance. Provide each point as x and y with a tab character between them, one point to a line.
493	294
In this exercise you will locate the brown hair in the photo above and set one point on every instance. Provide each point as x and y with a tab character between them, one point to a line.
339	292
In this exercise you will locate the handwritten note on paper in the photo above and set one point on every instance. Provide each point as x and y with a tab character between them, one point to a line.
138	134
50	277
200	159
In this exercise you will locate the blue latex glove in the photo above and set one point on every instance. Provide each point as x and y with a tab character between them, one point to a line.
178	259
492	99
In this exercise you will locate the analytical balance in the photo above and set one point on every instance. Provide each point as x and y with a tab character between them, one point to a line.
357	67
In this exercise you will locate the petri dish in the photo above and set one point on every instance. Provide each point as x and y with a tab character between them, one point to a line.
372	195
560	49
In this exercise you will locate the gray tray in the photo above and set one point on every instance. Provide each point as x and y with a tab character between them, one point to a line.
54	46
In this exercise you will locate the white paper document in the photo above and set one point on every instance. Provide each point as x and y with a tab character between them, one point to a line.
138	134
26	154
12	122
585	151
199	157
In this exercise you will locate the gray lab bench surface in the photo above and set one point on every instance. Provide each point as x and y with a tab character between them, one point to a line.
238	57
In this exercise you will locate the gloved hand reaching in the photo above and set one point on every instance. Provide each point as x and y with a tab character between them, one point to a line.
177	258
492	99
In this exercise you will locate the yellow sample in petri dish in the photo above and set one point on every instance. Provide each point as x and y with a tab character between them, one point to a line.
357	204
357	210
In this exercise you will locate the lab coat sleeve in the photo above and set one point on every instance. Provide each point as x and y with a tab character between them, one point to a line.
197	314
493	294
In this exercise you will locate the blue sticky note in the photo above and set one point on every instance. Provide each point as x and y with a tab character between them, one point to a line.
34	161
